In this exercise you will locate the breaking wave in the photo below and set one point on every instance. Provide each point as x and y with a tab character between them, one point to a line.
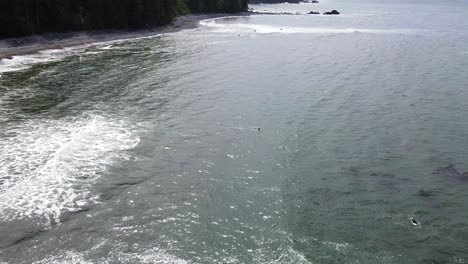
217	25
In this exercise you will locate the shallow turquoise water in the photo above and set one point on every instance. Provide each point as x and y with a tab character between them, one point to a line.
148	150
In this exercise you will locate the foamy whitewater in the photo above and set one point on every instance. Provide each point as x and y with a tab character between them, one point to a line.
48	166
17	63
265	138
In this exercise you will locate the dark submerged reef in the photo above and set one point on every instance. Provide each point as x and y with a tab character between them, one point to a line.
27	17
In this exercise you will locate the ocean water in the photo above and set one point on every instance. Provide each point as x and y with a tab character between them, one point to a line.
249	139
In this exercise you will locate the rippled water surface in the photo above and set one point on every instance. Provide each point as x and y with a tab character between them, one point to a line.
255	139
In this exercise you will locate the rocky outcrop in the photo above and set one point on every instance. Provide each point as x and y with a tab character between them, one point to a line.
333	12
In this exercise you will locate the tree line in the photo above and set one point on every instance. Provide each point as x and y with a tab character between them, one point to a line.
27	17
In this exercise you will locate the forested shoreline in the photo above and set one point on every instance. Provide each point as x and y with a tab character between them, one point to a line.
27	17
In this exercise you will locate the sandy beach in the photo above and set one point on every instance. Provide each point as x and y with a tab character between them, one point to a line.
33	44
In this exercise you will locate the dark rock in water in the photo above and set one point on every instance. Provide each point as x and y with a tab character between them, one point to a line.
314	13
424	193
451	172
383	175
333	12
315	2
413	221
275	1
354	171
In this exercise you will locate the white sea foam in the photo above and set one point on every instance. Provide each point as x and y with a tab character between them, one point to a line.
66	257
287	255
48	167
153	256
23	62
217	25
340	247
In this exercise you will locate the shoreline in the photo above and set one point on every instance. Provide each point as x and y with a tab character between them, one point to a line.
33	44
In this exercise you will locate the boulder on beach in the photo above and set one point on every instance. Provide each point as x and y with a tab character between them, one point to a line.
333	12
